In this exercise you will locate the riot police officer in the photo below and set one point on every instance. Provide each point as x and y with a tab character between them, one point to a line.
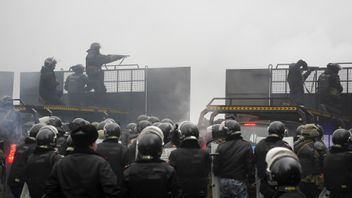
338	166
284	173
15	180
330	88
192	165
277	131
113	151
234	162
296	78
48	92
131	150
311	153
75	85
94	62
150	176
83	173
41	161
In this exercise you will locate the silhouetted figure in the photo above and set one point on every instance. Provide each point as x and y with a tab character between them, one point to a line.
75	85
330	88
94	61
48	84
296	78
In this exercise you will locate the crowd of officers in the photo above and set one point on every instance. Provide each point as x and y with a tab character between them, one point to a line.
328	88
77	84
83	159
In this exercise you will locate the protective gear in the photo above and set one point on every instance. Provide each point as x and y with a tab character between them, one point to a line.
166	128
168	120
334	67
149	146
277	128
50	62
113	151
101	125
143	124
230	127
84	136
48	92
34	130
142	117
296	79
189	131
153	119
55	121
79	68
112	130
131	127
80	121
310	131
94	46
283	168
341	137
47	136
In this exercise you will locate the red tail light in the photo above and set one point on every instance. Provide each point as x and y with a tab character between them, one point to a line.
250	124
11	155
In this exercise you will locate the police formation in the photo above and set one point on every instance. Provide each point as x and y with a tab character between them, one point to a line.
160	158
78	83
329	87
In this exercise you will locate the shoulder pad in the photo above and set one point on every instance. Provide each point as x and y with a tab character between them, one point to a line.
319	146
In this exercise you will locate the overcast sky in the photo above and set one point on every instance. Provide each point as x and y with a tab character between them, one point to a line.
210	36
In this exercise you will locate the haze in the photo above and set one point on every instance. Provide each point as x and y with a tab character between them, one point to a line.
209	36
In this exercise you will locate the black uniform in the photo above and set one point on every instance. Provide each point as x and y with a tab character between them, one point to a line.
150	178
48	87
75	86
295	79
116	154
234	159
38	169
94	62
311	157
17	171
329	90
338	172
83	173
261	150
192	167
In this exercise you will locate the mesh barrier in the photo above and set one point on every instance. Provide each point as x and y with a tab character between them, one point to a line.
121	80
279	83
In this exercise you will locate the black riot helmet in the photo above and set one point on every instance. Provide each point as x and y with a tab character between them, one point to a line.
285	172
55	121
341	137
277	128
189	131
230	127
112	130
166	128
33	131
153	119
131	127
78	69
167	120
50	63
149	146
334	67
80	121
142	117
47	136
143	124
284	169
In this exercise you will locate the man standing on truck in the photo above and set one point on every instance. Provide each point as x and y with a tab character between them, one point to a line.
330	88
296	78
94	61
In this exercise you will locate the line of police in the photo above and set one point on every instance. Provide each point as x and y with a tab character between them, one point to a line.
329	87
76	84
111	169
